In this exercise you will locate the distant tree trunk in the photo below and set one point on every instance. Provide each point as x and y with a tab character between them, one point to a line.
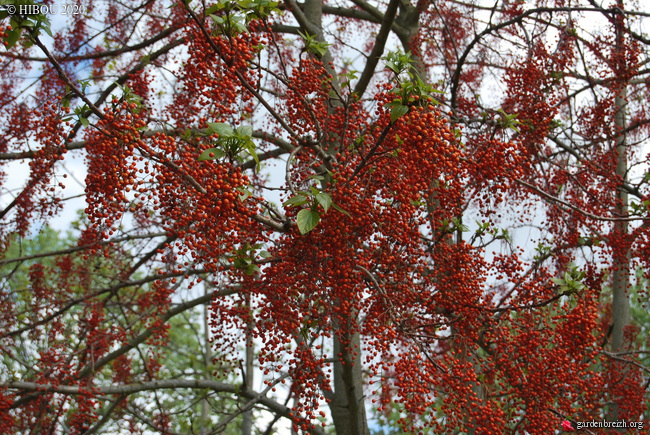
409	21
621	275
207	360
348	408
247	417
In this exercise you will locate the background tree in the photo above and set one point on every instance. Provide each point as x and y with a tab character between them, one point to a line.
463	186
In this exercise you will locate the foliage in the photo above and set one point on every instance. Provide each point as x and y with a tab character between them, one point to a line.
450	248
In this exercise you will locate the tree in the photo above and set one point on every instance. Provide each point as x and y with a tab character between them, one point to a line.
463	186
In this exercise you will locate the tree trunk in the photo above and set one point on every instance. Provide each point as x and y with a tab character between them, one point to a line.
247	417
621	275
348	408
207	360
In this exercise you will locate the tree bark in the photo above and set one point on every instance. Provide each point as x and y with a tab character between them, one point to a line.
621	274
207	360
348	408
247	417
347	405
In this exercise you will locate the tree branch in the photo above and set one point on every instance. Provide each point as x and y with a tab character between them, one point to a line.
377	50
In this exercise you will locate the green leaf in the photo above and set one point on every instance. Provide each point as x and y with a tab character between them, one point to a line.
12	37
220	128
350	75
239	26
249	146
244	193
45	25
307	220
313	45
245	130
338	208
295	201
217	154
214	8
251	269
325	200
393	67
398	111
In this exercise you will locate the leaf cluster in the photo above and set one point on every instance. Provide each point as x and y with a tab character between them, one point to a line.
571	282
233	17
33	23
308	218
410	90
245	258
313	45
230	143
